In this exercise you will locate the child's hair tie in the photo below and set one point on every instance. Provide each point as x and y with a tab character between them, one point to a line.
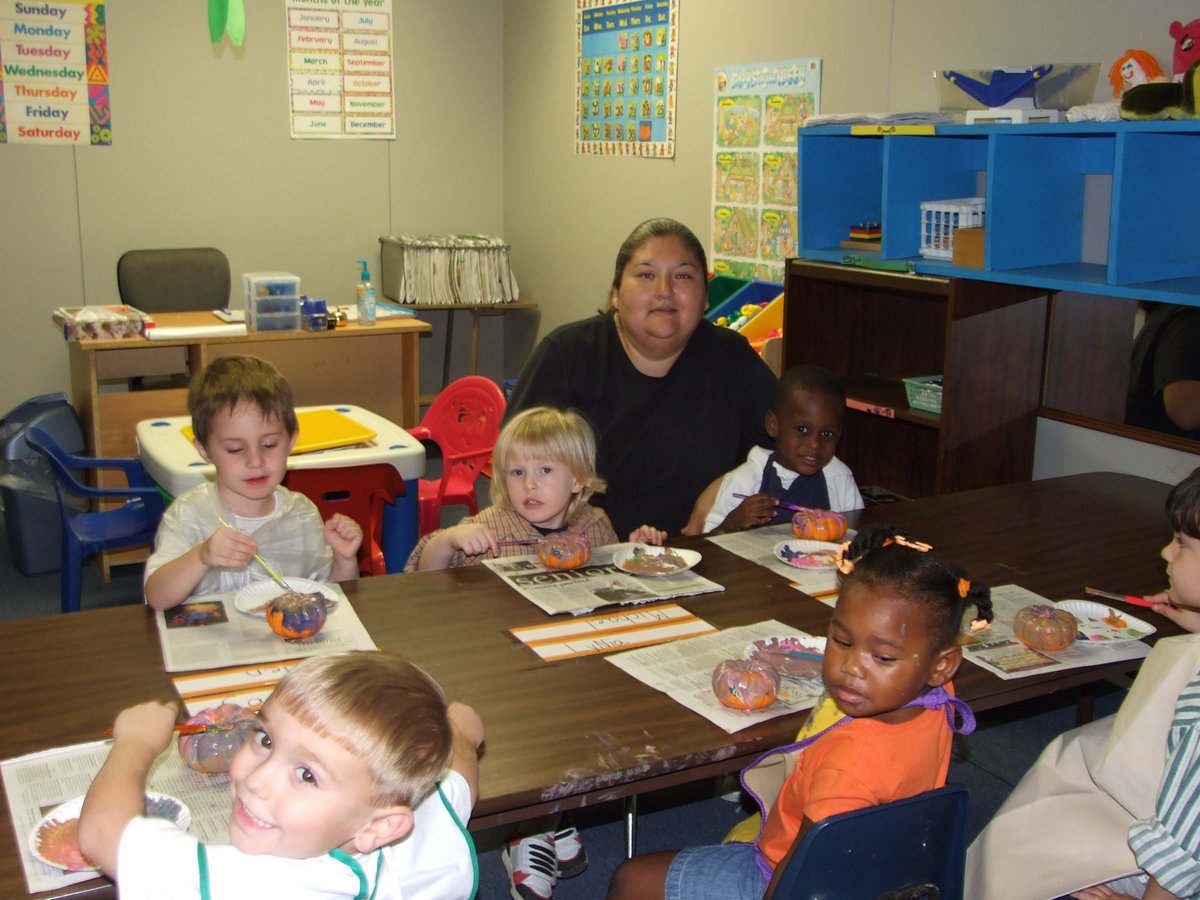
964	588
845	565
919	546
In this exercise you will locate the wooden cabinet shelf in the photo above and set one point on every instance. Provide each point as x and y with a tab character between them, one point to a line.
874	329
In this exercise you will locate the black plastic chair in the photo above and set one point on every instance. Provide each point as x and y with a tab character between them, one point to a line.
912	848
132	523
174	280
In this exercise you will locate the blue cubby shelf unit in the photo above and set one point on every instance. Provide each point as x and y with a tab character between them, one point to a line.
1093	207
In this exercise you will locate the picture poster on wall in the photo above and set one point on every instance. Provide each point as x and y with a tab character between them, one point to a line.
625	77
54	73
340	68
759	109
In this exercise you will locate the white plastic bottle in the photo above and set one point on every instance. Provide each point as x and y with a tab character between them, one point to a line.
365	296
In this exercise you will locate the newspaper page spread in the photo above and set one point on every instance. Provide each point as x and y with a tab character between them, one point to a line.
758	545
599	583
683	671
209	631
997	649
37	783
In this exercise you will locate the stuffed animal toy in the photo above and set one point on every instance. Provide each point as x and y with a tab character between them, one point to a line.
1187	49
1163	100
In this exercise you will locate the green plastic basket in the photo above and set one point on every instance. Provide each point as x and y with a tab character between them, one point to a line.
924	393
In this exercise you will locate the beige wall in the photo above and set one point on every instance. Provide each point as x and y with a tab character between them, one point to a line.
566	215
201	156
485	94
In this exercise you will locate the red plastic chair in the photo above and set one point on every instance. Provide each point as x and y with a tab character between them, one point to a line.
464	421
358	492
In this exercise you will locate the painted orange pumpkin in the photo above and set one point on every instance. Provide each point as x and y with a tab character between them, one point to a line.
819	524
745	683
296	616
212	751
1045	627
564	551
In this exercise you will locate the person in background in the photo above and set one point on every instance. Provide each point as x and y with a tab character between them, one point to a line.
676	401
1109	809
881	732
1164	372
244	423
545	471
358	781
805	420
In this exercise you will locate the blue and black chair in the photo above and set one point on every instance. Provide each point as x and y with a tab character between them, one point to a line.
912	849
87	528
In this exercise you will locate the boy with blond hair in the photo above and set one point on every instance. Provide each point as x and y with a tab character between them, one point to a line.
357	783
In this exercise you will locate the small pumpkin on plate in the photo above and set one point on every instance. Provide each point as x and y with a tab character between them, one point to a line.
745	683
295	616
818	524
212	751
1045	627
564	551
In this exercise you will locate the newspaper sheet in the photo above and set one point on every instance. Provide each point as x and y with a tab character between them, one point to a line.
599	583
997	649
209	632
37	783
683	671
758	546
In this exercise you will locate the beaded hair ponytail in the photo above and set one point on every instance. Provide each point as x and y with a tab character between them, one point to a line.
884	556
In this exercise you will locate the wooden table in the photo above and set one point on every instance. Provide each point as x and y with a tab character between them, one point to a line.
373	367
579	732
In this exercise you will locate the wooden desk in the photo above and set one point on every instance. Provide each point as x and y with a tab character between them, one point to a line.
579	732
373	367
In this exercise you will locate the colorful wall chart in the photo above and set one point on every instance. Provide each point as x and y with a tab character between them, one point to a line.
625	77
759	109
340	68
54	73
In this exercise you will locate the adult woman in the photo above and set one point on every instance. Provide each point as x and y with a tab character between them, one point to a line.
675	401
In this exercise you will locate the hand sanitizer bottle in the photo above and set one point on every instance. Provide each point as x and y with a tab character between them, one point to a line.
365	296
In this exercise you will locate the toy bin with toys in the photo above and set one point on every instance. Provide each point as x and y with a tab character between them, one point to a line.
721	288
744	306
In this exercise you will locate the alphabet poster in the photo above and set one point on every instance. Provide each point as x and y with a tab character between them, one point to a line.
759	109
54	73
340	68
625	77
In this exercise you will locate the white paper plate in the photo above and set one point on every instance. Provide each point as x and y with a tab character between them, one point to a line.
795	646
159	806
1091	616
627	556
253	598
808	555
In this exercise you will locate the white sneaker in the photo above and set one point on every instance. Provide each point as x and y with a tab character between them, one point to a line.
568	850
532	867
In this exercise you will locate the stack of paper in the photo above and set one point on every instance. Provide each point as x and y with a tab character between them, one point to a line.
467	270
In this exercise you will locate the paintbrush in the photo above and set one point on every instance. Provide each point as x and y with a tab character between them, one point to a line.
192	728
1128	598
777	502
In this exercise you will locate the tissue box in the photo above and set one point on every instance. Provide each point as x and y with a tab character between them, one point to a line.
100	322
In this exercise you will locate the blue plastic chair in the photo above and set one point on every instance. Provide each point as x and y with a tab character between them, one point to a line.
882	851
83	533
